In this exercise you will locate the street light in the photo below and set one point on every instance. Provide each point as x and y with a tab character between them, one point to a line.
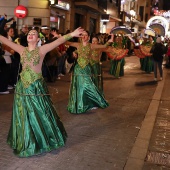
132	17
132	13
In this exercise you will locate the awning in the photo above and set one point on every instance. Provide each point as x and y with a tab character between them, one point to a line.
105	17
114	18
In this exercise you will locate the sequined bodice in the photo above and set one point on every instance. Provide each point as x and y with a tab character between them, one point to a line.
95	56
31	66
83	54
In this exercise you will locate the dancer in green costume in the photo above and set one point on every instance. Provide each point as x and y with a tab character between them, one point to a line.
84	95
35	125
96	66
147	61
117	65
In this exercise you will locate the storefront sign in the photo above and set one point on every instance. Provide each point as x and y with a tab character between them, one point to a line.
20	11
53	19
63	5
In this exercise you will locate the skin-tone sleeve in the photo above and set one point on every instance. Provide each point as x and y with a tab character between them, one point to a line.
73	44
16	47
48	47
98	46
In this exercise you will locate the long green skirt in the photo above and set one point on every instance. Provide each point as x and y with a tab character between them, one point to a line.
97	76
117	68
147	64
84	95
35	125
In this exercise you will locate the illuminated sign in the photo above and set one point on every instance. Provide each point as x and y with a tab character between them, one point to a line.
158	19
63	5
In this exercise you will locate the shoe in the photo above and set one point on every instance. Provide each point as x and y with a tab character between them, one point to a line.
10	87
61	74
155	79
93	108
4	92
161	78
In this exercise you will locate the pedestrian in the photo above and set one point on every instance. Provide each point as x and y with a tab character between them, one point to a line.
84	95
23	36
158	50
35	126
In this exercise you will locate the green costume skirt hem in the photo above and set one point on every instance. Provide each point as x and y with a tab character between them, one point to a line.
84	95
117	68
35	125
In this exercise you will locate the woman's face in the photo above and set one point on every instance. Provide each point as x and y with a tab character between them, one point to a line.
95	40
11	32
117	39
85	36
32	36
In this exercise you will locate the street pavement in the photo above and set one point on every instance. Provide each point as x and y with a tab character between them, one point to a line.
131	134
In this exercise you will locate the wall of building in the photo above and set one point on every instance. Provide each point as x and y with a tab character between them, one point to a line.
40	9
87	15
112	10
8	7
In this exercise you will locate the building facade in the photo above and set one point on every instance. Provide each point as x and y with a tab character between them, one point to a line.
136	13
65	14
37	13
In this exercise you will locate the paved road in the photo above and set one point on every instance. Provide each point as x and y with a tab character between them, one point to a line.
97	140
158	155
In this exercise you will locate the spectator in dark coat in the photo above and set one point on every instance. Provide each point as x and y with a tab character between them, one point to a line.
158	50
23	35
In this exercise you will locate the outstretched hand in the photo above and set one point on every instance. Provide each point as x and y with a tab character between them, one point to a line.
77	32
112	38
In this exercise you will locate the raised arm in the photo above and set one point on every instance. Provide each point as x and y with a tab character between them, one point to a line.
73	44
98	46
15	47
48	47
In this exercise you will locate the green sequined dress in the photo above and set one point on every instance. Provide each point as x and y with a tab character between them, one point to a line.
84	95
117	66
35	125
96	66
147	63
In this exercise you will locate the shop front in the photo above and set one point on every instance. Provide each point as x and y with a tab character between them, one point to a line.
59	15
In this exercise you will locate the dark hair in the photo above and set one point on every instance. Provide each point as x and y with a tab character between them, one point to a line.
54	29
95	37
36	31
87	32
36	28
68	31
7	30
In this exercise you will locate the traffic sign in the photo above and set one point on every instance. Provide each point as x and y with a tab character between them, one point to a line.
20	11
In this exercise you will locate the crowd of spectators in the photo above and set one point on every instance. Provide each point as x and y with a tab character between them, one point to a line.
56	64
